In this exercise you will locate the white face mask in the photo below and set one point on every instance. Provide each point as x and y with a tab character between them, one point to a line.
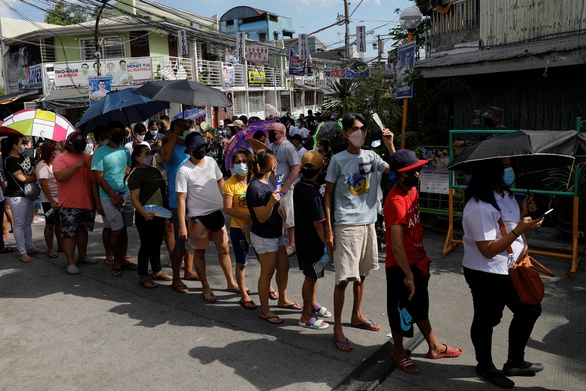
140	137
357	138
104	142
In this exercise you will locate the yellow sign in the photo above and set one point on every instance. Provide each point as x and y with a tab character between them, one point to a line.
256	77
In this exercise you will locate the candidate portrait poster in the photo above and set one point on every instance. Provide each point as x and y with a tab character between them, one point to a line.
405	63
99	86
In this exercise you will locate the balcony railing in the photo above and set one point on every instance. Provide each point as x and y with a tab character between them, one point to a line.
462	15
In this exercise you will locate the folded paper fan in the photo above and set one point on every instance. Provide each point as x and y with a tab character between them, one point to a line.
159	211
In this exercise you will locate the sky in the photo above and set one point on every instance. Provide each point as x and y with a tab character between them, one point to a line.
308	15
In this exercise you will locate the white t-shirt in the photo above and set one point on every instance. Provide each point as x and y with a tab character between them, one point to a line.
480	223
130	147
303	132
201	186
45	171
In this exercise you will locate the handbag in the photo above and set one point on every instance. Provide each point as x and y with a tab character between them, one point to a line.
525	274
31	190
214	221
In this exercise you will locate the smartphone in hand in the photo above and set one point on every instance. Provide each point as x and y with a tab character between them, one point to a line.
546	213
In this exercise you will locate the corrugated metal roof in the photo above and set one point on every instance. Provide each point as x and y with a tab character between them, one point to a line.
555	45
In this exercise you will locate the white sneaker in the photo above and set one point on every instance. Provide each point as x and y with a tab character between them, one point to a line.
72	269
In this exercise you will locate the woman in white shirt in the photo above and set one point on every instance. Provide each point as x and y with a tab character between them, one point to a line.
486	268
49	200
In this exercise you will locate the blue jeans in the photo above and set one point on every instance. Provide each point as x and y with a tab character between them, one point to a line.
239	245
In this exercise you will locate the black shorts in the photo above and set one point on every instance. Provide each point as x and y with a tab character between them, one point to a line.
403	314
53	219
307	264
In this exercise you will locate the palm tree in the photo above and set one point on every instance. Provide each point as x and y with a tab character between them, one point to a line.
343	98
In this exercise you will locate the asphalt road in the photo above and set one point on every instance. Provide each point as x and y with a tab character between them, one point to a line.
96	332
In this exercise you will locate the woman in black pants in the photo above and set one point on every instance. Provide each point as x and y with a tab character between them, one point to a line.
486	268
147	187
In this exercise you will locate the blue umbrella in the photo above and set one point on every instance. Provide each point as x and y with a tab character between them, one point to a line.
124	106
192	114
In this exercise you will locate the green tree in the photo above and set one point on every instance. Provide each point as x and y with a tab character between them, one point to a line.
65	13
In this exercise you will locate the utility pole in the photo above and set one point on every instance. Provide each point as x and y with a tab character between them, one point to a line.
97	37
347	35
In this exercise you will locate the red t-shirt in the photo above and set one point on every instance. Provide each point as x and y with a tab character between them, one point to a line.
401	208
76	191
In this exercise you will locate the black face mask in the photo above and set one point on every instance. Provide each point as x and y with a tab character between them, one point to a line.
117	138
272	136
198	153
79	146
410	181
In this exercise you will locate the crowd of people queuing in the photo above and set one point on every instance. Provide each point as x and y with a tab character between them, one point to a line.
327	205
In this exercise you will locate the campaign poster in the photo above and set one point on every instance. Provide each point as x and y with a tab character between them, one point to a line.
405	63
33	77
332	75
257	55
296	64
229	75
240	44
361	38
122	71
99	86
75	74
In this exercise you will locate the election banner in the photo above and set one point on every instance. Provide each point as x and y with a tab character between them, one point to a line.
361	38
240	44
331	75
75	74
303	47
296	64
99	86
33	77
405	63
257	55
182	37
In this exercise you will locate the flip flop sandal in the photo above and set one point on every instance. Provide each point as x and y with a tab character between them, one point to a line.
405	364
129	266
179	288
148	284
269	319
7	250
343	346
209	297
249	305
24	258
109	262
292	306
449	352
314	323
116	272
370	325
162	277
53	254
273	295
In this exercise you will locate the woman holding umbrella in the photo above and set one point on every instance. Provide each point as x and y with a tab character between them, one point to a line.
20	170
486	268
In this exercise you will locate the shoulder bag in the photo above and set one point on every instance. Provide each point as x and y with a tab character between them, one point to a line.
31	190
525	274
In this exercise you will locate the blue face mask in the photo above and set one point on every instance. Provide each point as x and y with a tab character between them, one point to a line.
241	168
509	176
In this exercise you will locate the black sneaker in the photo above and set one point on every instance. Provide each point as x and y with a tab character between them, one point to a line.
523	368
494	376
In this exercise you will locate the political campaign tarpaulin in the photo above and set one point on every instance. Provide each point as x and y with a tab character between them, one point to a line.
296	64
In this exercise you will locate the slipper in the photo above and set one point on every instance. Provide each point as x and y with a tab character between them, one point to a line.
160	276
129	266
269	319
7	249
35	250
196	278
449	352
179	288
109	262
24	258
314	323
237	290
249	305
292	306
148	284
343	346
52	254
370	325
320	311
273	295
209	297
116	272
405	364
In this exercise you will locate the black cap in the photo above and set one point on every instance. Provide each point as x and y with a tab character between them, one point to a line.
405	160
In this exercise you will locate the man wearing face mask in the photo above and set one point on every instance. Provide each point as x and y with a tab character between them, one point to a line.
74	191
138	133
109	164
287	166
200	184
351	183
407	264
173	156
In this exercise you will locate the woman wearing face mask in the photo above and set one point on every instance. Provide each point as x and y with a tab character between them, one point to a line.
19	170
49	200
267	216
153	137
147	187
235	206
486	268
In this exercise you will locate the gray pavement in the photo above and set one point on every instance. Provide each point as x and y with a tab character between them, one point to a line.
96	332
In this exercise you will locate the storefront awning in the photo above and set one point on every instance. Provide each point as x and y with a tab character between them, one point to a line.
69	98
11	98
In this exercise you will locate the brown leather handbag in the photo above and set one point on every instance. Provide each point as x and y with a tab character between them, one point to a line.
525	275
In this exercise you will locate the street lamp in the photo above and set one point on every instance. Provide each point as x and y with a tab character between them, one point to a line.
410	18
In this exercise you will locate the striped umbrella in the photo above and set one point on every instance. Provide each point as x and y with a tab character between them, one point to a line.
39	123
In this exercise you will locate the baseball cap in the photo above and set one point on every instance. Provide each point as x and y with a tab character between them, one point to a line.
194	140
221	122
312	159
237	123
405	160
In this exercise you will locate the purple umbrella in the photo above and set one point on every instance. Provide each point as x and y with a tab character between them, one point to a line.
192	114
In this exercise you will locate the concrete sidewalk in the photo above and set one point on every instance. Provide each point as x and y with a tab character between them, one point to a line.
96	332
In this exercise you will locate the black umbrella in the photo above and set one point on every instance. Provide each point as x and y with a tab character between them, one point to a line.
329	131
530	150
123	106
184	91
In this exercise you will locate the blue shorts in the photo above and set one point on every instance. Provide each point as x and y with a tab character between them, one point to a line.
239	245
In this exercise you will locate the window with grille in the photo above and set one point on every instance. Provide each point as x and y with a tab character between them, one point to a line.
256	101
111	47
239	104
